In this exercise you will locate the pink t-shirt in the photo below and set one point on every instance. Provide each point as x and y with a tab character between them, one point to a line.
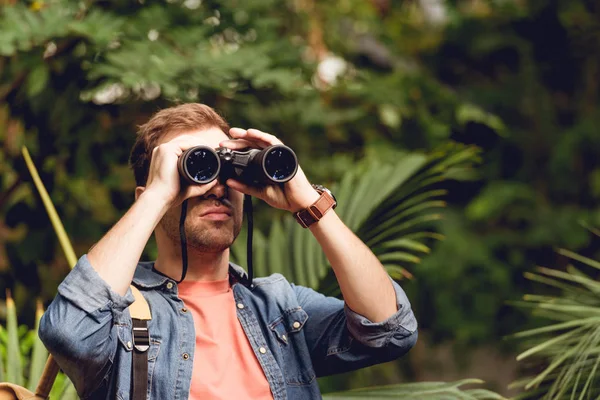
225	366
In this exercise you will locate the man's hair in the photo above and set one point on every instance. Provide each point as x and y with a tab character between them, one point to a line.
178	119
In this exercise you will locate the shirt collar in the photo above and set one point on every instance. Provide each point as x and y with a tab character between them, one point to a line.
146	277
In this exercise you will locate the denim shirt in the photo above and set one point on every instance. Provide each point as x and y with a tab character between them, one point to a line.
297	334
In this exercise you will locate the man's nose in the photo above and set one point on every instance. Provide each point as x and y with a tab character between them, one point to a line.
218	191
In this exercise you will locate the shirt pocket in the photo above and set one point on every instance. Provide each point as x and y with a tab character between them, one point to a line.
126	343
288	329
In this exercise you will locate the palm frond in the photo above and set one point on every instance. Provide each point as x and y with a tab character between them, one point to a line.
421	390
568	349
390	206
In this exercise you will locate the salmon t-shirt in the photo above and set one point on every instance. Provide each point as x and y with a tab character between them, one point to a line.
225	366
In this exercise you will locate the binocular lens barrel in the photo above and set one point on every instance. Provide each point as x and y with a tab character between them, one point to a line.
200	164
280	164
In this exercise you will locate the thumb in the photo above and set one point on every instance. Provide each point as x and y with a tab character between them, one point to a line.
245	189
195	190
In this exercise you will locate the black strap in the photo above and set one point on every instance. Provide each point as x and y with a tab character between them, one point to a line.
249	217
141	344
183	240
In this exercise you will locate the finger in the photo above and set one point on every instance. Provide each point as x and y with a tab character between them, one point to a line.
255	134
236	144
175	146
195	190
243	188
237	132
253	143
185	142
261	138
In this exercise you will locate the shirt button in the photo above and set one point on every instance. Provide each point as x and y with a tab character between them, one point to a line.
186	356
170	285
240	305
296	325
262	350
129	345
184	310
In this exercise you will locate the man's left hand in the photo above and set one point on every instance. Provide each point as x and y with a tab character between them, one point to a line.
293	195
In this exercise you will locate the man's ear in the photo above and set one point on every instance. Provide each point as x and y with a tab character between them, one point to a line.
138	191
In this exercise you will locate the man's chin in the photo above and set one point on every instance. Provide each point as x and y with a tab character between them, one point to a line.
212	240
215	246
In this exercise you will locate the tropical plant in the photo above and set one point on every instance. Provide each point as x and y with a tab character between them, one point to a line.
23	355
388	204
566	353
9	337
421	390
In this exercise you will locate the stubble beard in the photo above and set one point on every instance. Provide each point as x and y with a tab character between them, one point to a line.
203	236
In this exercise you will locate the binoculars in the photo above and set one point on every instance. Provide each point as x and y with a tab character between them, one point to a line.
203	164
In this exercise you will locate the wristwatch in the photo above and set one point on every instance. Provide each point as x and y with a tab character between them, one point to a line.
318	209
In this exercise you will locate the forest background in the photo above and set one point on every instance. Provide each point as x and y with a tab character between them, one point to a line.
342	82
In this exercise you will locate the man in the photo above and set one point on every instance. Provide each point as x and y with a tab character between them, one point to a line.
210	336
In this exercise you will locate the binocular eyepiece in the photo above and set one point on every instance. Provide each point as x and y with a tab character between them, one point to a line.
203	164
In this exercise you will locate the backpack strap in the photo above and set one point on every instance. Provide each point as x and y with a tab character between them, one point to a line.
47	379
140	315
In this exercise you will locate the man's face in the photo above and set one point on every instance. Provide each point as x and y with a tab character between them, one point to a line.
213	220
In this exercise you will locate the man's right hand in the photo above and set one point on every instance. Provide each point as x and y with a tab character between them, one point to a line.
116	255
164	181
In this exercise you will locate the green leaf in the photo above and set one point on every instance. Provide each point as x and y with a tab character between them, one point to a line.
54	218
14	363
421	390
39	354
37	80
567	353
472	113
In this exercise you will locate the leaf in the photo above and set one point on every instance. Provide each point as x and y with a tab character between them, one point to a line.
68	391
14	364
472	113
421	390
37	80
566	353
54	218
39	354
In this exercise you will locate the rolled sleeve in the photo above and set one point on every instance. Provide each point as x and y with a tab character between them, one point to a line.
87	290
396	328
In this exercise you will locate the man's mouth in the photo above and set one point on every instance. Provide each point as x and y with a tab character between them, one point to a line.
216	213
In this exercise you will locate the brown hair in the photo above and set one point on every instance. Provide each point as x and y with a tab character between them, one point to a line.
176	119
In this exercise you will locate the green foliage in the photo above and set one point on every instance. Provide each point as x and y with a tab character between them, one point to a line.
23	355
566	351
516	78
533	65
423	390
389	205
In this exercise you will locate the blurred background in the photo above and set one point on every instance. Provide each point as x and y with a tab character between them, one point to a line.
345	83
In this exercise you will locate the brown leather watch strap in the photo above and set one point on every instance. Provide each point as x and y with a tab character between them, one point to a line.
316	211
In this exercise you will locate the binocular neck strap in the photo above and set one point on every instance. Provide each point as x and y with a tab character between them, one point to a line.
183	239
248	211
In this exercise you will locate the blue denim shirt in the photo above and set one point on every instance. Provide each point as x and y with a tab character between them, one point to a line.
296	333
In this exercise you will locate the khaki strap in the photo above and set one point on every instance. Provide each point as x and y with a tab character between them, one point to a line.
47	379
140	314
139	309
